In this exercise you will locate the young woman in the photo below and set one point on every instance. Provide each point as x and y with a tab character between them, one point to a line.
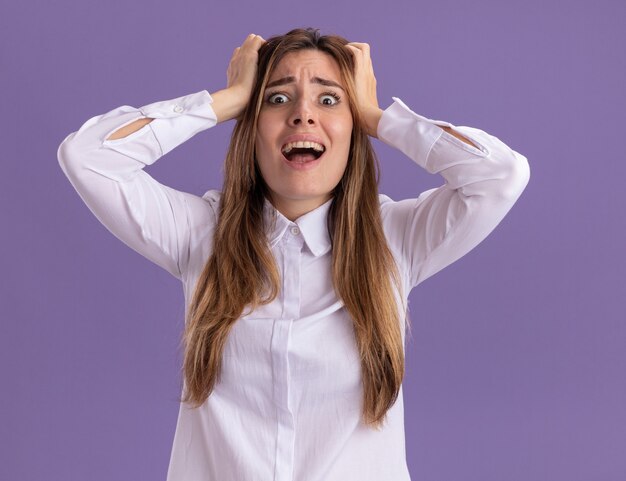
296	274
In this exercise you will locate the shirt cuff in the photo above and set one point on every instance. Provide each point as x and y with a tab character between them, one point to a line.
179	119
416	135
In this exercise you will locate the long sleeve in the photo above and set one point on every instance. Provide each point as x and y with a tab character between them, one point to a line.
443	224
109	176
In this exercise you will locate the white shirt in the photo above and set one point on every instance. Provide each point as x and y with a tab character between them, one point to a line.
288	405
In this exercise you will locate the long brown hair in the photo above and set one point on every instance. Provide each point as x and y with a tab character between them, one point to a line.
241	271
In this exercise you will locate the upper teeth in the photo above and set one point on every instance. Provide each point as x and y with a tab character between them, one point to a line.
303	145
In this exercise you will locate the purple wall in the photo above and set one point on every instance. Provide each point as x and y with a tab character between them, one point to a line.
517	367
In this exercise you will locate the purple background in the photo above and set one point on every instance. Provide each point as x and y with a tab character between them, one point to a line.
517	366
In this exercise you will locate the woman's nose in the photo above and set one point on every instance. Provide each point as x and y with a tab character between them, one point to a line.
302	113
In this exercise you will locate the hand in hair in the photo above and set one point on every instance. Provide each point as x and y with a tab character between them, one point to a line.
365	83
228	103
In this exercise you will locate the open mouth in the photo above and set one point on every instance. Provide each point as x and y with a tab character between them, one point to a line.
302	152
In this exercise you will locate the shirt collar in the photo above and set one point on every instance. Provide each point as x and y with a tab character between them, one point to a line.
312	225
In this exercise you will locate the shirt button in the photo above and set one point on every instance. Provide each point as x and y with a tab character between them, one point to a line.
295	231
178	109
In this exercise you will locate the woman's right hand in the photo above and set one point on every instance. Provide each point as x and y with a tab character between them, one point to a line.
241	74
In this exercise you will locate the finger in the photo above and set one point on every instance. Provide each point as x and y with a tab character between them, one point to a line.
252	43
253	38
359	55
247	41
361	46
257	41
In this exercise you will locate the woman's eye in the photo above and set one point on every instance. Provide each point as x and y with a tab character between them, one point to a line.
277	99
330	99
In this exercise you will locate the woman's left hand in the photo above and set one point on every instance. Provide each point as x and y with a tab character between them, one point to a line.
365	83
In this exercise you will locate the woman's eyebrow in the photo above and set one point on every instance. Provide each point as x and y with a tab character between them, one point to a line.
315	80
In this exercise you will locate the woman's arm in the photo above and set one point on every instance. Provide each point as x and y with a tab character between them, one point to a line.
459	136
129	129
226	105
365	83
105	160
484	178
107	171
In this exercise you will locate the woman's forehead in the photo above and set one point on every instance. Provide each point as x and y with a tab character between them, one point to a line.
310	63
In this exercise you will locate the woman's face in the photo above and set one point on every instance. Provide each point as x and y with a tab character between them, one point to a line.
304	101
